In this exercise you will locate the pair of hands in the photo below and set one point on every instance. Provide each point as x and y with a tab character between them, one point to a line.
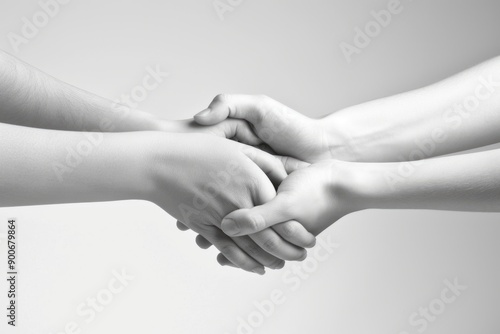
260	228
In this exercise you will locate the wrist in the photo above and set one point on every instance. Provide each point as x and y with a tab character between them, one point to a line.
95	166
343	184
351	137
128	162
374	185
163	166
338	136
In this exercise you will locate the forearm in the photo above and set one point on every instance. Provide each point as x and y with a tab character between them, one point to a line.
48	167
30	97
468	182
456	114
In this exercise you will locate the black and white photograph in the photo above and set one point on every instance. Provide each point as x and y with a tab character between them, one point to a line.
249	166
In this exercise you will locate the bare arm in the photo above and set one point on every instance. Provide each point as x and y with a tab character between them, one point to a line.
197	178
324	192
456	114
453	115
30	97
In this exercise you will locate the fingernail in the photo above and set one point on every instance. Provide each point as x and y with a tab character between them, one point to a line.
259	270
278	265
229	227
203	113
312	244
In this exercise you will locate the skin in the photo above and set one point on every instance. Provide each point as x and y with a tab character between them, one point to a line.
456	114
157	167
324	192
383	130
30	97
43	118
437	120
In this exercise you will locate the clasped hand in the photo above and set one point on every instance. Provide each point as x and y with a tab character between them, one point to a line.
239	210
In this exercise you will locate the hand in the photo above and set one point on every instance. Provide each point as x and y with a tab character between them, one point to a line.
236	129
200	178
286	131
315	196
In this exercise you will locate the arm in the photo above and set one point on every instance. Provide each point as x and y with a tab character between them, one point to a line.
467	182
30	97
456	114
196	178
324	192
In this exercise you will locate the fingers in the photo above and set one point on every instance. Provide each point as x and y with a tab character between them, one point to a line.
270	165
291	164
202	242
293	232
258	253
181	226
232	252
223	261
248	107
272	243
249	247
248	221
240	130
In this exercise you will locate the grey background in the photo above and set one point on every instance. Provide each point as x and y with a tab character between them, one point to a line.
388	264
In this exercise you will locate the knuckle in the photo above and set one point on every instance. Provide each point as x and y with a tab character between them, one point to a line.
254	185
256	251
222	98
240	125
228	250
290	205
262	103
252	249
209	235
255	222
271	244
289	229
262	98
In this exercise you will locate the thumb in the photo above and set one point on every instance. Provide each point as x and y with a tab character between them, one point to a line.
217	111
251	108
249	221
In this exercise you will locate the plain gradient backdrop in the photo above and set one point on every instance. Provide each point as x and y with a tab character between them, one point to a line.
387	265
